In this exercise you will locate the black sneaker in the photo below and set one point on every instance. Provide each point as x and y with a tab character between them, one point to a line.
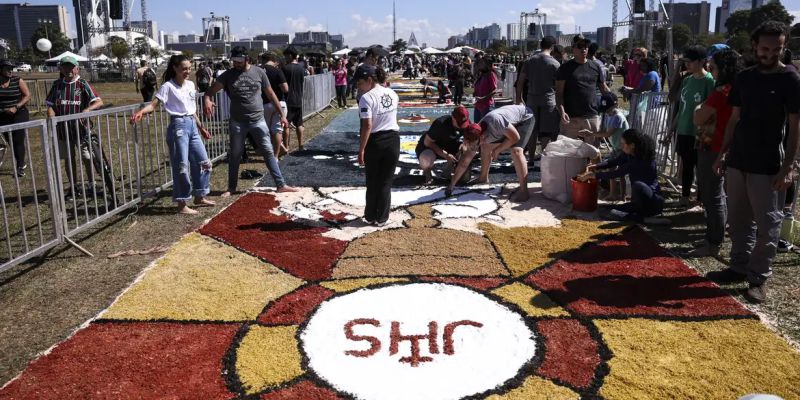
784	246
756	294
727	275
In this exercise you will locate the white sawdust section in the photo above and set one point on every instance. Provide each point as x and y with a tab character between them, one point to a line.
484	356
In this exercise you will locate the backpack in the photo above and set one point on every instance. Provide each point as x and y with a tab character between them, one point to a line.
149	78
203	76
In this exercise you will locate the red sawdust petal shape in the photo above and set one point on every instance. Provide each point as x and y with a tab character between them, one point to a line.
331	217
571	353
294	308
474	283
300	250
631	275
131	361
303	390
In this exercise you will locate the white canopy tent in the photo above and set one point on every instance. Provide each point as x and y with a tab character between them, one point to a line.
409	52
102	57
65	54
431	50
342	52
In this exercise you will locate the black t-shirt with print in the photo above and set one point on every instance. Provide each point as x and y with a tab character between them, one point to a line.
444	134
580	87
764	101
295	76
276	79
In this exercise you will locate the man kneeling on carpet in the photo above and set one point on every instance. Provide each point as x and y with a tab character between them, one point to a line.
443	141
504	128
637	160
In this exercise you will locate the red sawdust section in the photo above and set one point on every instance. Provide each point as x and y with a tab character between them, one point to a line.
303	390
631	275
300	250
474	283
294	308
132	361
571	354
333	217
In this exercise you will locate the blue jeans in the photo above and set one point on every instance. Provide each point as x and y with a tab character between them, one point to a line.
260	132
191	168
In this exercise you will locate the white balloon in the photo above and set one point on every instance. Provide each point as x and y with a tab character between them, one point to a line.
44	44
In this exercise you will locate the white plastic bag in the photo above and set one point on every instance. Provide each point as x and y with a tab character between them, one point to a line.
567	147
557	174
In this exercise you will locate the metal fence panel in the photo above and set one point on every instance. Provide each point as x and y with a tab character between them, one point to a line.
650	113
318	91
30	224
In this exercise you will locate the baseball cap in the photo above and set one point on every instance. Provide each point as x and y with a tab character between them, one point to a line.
4	62
68	60
473	131
238	52
364	71
461	116
607	100
716	48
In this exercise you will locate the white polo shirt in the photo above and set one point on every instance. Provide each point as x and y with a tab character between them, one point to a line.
178	100
380	105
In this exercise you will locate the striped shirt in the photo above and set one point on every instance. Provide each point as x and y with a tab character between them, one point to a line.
67	98
9	96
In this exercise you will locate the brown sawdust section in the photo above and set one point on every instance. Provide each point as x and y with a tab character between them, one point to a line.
420	249
525	249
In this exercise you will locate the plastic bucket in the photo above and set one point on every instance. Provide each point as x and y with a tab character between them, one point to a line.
584	195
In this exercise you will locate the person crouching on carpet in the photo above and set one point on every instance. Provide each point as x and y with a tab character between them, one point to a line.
443	141
637	160
379	151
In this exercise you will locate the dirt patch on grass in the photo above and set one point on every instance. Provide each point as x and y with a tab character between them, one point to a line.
45	300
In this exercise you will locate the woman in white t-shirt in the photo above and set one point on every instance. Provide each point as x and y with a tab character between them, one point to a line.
191	168
380	141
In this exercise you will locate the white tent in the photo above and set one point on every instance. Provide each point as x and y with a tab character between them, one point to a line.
454	50
431	50
409	52
342	52
102	57
65	54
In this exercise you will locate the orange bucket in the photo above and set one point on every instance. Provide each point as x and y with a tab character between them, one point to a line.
584	195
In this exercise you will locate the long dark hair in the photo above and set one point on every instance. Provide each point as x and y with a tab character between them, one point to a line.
174	61
728	65
644	147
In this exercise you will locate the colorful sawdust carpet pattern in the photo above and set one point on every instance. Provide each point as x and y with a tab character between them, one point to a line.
225	313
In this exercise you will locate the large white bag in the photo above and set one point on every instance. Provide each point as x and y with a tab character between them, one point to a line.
568	147
557	174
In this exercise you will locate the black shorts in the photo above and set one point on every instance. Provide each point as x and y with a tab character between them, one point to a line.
295	115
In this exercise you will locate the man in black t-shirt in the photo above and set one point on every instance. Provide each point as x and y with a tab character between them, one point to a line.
577	82
758	167
442	141
277	80
295	77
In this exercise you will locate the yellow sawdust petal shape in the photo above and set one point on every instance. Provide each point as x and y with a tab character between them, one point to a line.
203	279
535	388
349	285
419	251
530	300
525	249
268	357
697	360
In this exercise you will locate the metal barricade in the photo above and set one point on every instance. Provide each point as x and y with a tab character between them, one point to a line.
650	113
30	222
318	91
38	89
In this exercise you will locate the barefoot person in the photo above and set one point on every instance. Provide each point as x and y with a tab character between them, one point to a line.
379	151
244	84
191	168
505	128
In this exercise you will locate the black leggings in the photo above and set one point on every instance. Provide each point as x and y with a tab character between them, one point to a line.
341	95
380	159
17	136
688	154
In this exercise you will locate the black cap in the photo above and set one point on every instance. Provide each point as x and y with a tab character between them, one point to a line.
607	100
4	62
365	71
239	51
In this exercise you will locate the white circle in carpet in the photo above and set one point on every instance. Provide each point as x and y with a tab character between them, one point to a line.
466	342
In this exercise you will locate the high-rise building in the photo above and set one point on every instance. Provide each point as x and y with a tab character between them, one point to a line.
169	39
694	15
731	6
551	30
515	34
311	37
454	41
18	22
483	37
275	40
149	26
337	42
717	18
591	36
190	38
604	37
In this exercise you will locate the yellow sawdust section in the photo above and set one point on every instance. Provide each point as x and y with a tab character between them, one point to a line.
349	285
532	301
697	360
525	249
534	388
268	357
419	250
202	279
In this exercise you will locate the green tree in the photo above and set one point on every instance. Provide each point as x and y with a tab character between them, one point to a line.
188	54
498	46
119	49
61	42
399	46
737	22
748	20
140	47
681	38
706	40
740	42
622	46
794	41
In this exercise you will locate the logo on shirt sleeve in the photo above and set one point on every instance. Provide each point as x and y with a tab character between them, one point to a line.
364	109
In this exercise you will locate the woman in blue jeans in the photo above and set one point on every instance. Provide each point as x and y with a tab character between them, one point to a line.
191	168
637	160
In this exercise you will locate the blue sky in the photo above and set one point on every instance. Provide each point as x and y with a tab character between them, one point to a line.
369	22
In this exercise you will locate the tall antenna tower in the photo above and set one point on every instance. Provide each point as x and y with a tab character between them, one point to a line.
394	21
148	29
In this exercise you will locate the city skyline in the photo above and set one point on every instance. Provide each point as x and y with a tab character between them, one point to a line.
371	23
